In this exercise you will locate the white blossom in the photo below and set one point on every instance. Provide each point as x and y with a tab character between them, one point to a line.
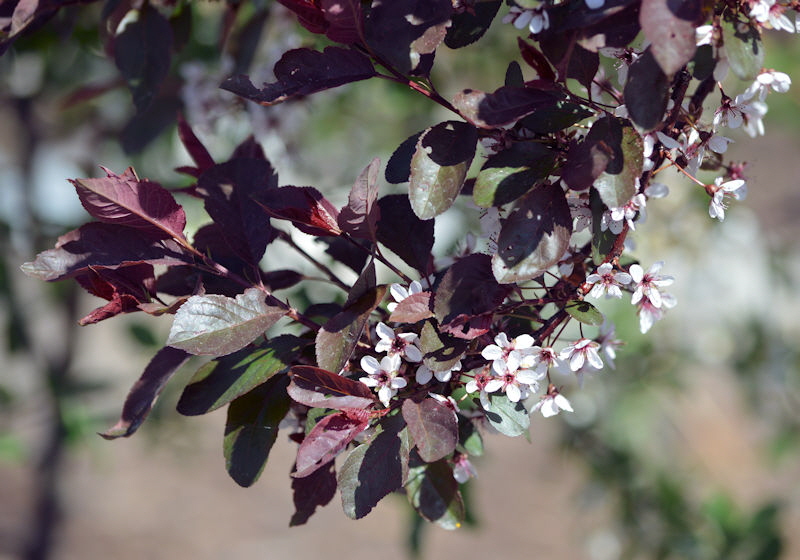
580	352
765	81
404	344
400	292
736	188
383	375
649	284
552	403
607	282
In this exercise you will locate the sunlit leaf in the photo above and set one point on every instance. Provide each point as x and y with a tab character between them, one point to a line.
534	236
509	174
744	49
317	387
325	441
439	167
669	26
360	216
508	418
584	312
216	325
433	428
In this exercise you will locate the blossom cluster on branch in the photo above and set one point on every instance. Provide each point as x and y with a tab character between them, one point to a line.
406	378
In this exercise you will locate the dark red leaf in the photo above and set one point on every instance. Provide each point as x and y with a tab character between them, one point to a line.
128	201
303	72
142	52
398	168
316	489
534	236
408	237
310	212
360	217
145	390
467	290
433	427
230	190
125	289
405	33
325	441
670	27
646	92
308	14
504	106
193	145
251	429
102	245
469	25
375	469
316	387
536	60
344	20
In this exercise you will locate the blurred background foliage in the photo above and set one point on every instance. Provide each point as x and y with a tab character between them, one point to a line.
689	449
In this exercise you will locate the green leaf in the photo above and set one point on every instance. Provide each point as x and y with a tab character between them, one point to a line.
617	184
220	381
433	492
509	418
509	174
469	438
439	166
584	312
251	429
376	468
534	236
216	325
337	339
744	49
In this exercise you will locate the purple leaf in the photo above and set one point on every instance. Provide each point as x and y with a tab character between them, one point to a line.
433	491
214	325
303	72
305	207
439	166
344	19
230	190
669	25
402	232
220	381
375	469
125	200
325	441
534	236
360	217
337	339
398	168
144	392
406	33
194	146
433	427
142	52
468	290
251	429
536	60
470	24
316	489
308	14
415	307
101	245
646	92
504	106
316	387
125	289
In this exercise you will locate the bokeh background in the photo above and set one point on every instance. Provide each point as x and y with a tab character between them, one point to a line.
689	449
